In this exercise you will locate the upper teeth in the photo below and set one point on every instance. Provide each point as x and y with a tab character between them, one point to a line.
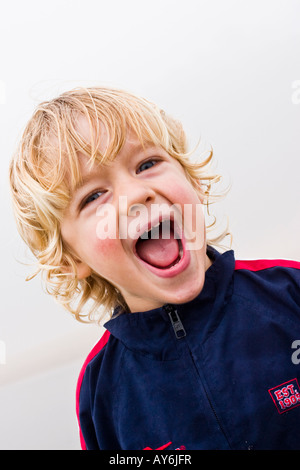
145	235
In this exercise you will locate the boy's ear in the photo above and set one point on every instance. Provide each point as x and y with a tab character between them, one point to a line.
83	270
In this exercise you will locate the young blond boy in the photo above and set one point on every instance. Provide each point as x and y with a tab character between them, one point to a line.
197	350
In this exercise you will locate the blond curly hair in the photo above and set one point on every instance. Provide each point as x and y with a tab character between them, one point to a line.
45	170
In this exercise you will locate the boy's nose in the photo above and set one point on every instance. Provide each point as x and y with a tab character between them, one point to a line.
135	194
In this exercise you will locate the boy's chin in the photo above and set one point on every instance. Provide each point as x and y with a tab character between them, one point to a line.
185	295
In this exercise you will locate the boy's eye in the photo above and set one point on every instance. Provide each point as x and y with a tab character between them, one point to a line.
91	198
146	165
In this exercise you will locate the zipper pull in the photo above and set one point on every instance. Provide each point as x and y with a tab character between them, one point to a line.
175	321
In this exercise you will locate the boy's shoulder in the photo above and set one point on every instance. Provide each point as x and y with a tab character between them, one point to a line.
268	282
273	269
99	346
96	350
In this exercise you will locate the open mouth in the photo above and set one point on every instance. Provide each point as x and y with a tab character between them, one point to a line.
161	249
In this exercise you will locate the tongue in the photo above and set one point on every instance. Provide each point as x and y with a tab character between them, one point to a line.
158	252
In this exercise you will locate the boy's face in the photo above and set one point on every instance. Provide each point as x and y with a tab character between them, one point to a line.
117	203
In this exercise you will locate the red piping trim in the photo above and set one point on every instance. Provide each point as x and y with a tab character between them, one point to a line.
258	265
96	349
159	448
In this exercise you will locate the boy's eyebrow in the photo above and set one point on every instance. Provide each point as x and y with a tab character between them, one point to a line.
83	181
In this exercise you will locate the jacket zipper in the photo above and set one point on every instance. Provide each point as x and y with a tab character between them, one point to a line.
175	321
181	333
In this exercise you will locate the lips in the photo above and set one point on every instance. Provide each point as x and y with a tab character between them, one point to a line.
161	248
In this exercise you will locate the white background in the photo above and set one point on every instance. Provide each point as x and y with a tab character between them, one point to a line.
229	69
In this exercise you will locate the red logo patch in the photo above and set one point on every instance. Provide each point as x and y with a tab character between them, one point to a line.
286	396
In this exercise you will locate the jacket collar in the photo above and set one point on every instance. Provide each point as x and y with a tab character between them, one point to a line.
150	333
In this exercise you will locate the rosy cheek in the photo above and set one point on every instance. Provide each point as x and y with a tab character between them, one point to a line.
105	247
93	241
179	188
